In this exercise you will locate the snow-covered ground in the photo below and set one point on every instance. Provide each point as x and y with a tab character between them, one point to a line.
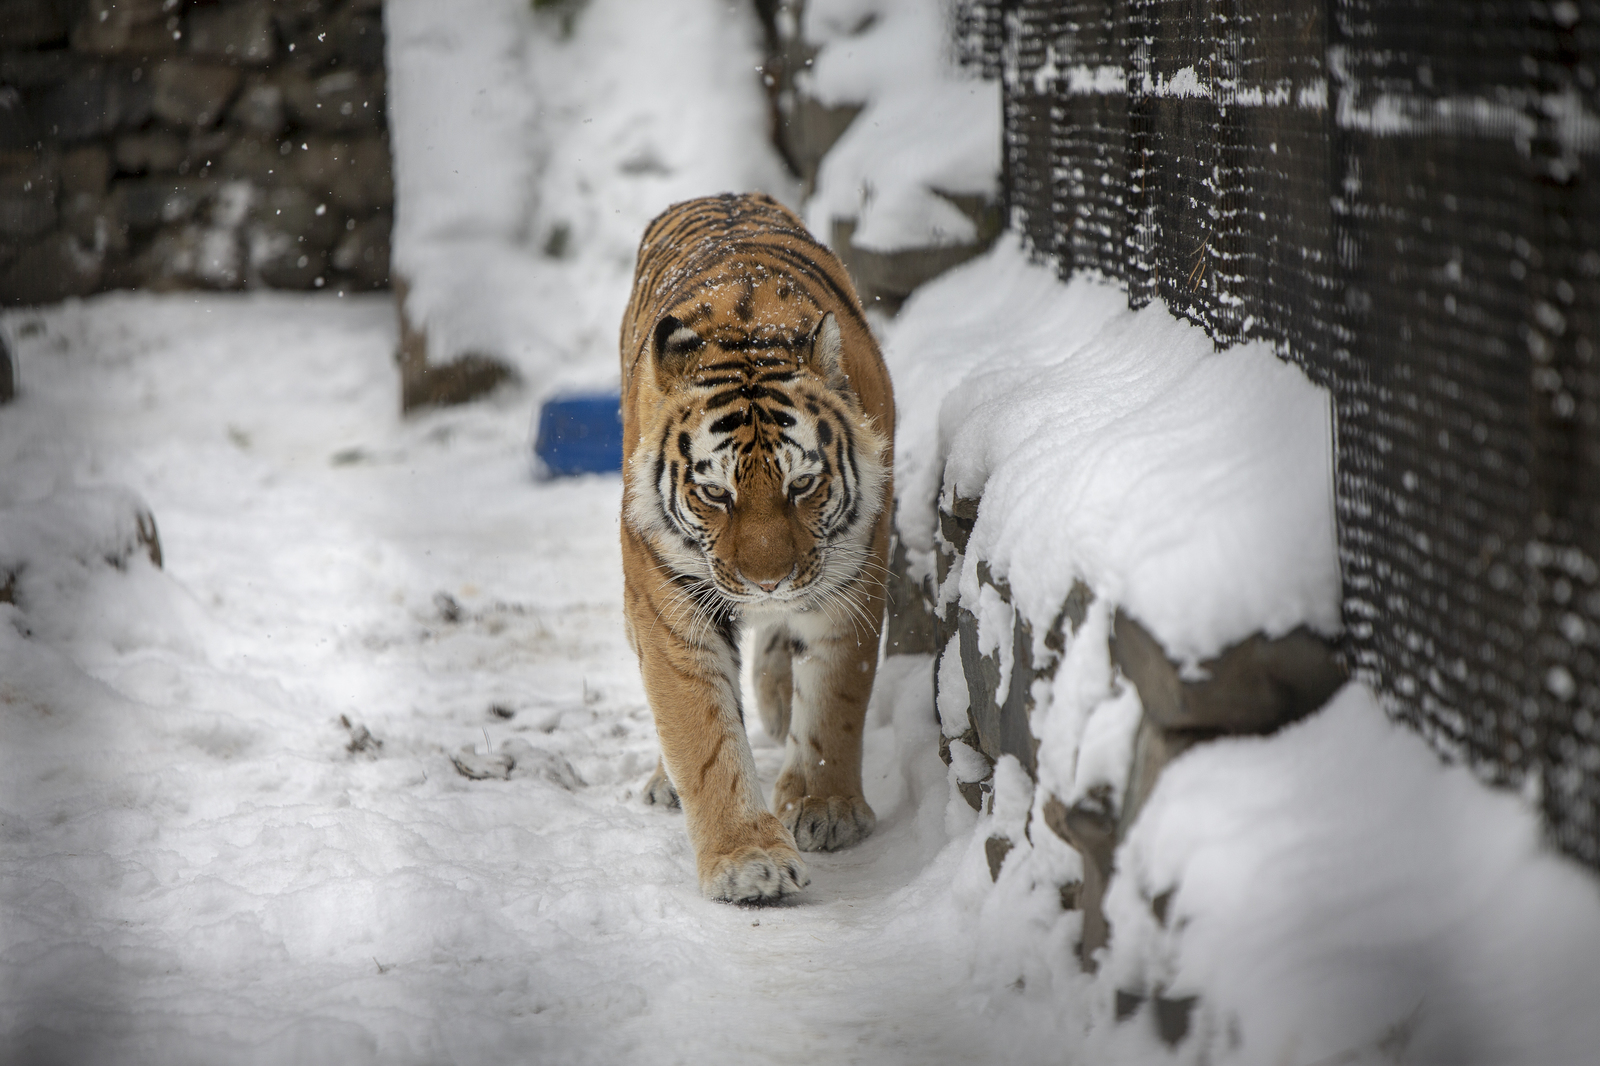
204	863
234	826
199	868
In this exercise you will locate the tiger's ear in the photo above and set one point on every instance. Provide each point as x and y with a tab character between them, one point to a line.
827	353
671	346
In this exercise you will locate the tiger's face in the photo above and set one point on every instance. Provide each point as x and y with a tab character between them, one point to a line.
762	480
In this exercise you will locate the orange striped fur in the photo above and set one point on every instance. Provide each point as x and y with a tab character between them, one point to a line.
757	427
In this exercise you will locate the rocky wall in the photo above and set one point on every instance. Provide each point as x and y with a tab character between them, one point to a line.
804	128
178	144
1254	687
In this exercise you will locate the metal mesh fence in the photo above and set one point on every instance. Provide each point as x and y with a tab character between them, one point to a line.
1401	196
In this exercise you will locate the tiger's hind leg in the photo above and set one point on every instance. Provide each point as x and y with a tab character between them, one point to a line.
773	676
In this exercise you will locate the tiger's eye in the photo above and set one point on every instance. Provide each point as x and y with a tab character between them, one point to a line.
802	484
714	493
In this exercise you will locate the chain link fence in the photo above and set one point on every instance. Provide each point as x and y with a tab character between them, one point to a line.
1400	196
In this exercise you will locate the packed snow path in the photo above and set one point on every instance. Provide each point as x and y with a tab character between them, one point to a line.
233	828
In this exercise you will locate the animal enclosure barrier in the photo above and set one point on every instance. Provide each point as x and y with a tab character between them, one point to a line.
1402	198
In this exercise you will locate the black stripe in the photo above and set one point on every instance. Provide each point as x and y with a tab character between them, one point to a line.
730	422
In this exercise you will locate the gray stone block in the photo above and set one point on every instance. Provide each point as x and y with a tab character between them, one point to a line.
28	199
260	108
356	34
279	261
85	170
353	173
186	92
1256	686
127	28
1002	726
345	101
995	850
30	70
192	256
308	220
363	252
31	23
148	203
17	133
259	158
807	129
149	152
1153	748
911	628
89	101
240	32
885	279
52	268
93	223
1091	830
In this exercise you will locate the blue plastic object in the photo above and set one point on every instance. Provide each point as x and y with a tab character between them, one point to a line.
580	434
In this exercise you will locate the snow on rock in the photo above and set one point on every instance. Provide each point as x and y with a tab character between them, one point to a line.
926	127
1191	487
532	147
1336	890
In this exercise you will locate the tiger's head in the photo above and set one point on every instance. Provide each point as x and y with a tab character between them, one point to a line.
758	477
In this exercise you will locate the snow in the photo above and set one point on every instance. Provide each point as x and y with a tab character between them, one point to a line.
1191	487
205	863
532	147
925	128
353	777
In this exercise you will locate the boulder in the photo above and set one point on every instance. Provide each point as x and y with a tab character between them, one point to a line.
363	252
256	157
93	223
306	219
279	260
341	102
353	173
146	203
28	199
31	23
1090	827
127	28
85	170
1255	686
50	269
240	32
190	93
260	108
16	128
156	151
88	101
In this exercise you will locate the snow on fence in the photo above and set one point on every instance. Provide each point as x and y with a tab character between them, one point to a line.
1399	199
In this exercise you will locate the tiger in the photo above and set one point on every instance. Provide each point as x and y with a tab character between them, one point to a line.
758	428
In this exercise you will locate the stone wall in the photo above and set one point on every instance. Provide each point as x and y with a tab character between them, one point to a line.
176	144
1254	687
804	128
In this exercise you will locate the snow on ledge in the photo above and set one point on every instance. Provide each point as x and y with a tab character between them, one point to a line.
1189	486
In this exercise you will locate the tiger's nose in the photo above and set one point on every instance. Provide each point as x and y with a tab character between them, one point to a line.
768	586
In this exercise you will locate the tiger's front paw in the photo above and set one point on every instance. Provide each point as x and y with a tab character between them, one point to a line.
755	875
761	867
827	823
